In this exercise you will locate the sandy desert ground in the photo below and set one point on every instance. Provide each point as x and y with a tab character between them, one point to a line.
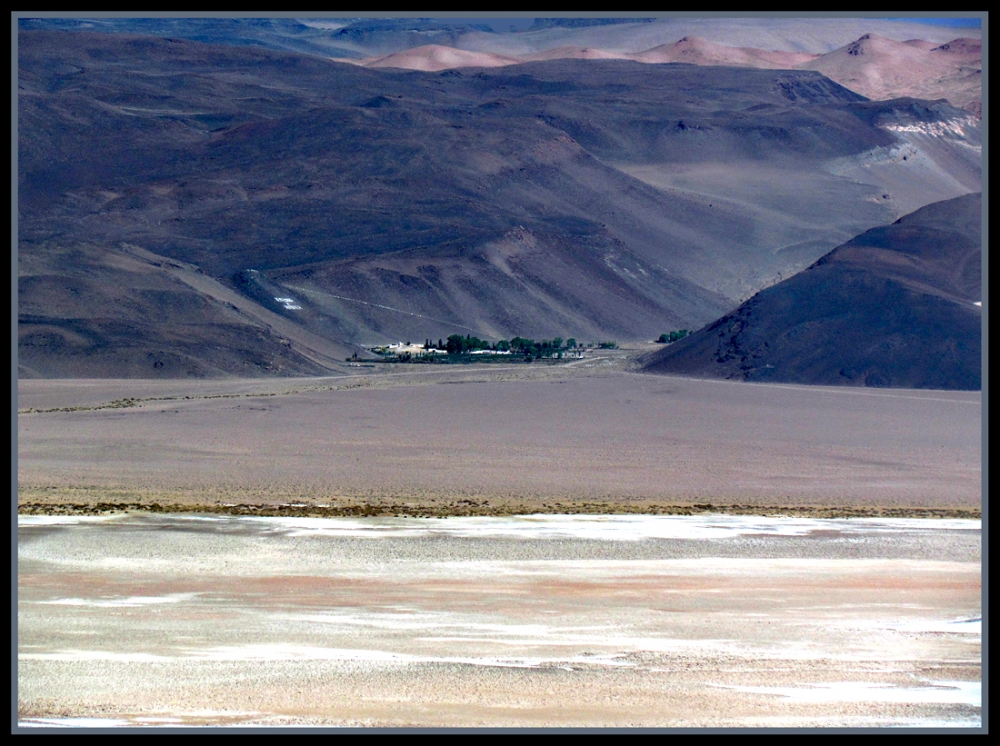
585	437
152	620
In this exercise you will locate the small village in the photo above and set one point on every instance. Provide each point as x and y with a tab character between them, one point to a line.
469	349
472	349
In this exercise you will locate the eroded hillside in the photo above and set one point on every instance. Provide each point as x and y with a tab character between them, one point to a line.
596	198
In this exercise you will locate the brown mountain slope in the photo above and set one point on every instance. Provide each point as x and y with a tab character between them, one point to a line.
697	51
598	198
101	312
874	66
434	57
896	306
881	68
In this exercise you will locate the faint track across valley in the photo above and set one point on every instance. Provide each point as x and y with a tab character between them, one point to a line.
388	308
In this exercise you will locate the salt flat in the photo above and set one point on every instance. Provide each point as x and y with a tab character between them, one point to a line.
710	620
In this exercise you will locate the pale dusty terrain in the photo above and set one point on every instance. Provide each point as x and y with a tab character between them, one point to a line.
873	65
585	437
529	621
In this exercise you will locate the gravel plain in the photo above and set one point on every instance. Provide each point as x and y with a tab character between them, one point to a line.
482	441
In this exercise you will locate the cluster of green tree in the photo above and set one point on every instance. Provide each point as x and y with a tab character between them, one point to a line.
545	348
673	336
458	345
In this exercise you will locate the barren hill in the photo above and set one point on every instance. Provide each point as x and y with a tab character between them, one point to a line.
588	198
896	306
434	57
881	68
875	66
697	51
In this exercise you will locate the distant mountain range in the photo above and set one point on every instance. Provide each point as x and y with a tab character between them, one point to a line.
899	305
878	58
170	191
874	66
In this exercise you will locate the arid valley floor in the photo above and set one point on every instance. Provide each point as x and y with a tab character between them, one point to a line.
374	550
468	440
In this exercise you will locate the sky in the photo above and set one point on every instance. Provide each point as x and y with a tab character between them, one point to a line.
957	22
